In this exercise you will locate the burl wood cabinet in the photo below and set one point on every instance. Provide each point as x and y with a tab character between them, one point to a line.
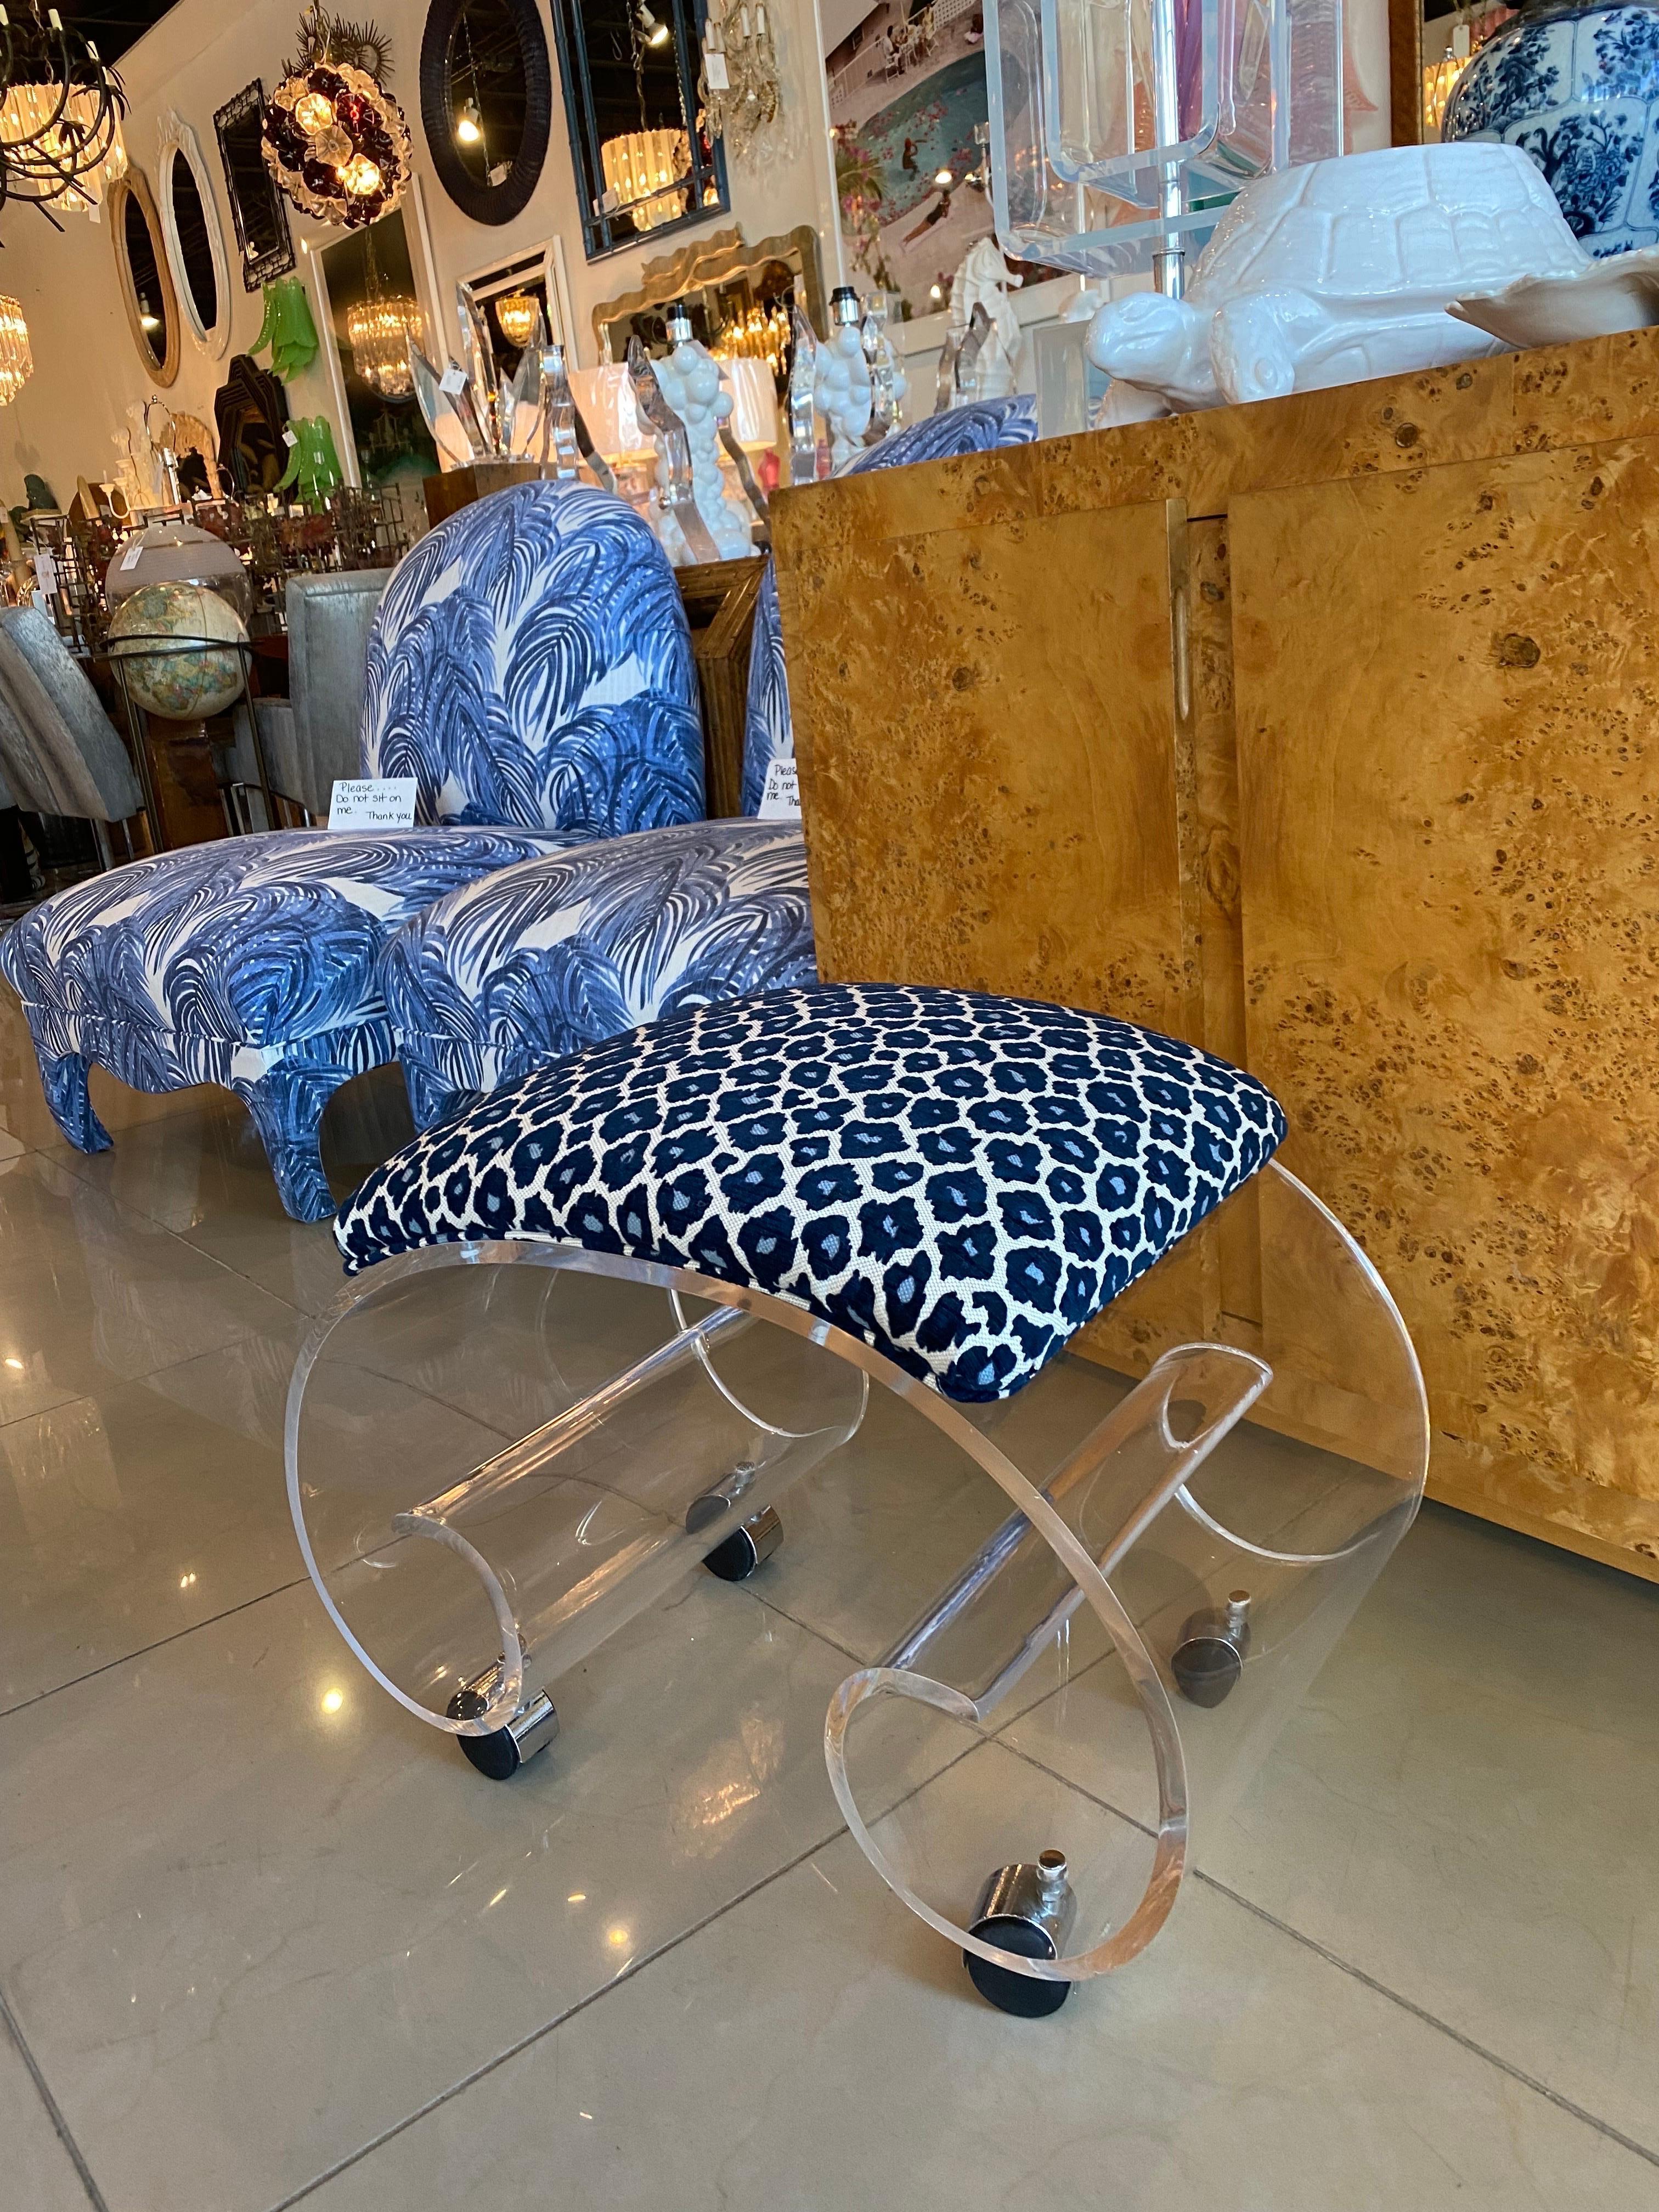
1324	733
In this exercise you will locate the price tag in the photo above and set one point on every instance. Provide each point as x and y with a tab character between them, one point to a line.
454	381
134	554
781	800
372	802
46	572
289	438
714	70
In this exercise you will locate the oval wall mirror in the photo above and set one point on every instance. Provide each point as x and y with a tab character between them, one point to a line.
141	264
195	242
486	102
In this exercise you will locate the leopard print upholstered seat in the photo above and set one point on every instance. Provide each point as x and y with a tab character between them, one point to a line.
959	1180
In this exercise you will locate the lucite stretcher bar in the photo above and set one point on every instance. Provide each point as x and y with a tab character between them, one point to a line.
498	1454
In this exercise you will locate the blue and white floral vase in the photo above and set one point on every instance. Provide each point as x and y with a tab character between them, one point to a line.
1577	88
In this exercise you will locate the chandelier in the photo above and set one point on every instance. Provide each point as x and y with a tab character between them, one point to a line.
378	329
739	88
334	141
1438	78
17	362
60	113
644	174
517	314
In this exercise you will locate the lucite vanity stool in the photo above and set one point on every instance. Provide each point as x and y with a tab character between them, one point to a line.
659	1279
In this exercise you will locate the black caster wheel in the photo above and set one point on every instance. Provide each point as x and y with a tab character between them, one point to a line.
1018	1994
499	1755
745	1548
1208	1662
1027	1909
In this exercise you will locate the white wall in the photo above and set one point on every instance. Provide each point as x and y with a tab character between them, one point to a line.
88	372
86	369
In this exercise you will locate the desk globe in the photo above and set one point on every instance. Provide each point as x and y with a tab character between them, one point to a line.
189	684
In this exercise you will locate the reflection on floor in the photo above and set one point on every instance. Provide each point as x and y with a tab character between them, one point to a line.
265	1940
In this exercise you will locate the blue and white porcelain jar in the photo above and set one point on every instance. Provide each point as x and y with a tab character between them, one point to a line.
1577	88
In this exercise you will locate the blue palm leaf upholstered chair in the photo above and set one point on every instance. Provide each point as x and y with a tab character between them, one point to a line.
530	667
560	952
980	426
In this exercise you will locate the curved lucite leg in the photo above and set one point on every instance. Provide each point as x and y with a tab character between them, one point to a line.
446	1567
1220	1523
498	1454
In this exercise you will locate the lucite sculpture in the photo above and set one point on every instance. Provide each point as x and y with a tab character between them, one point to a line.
1119	127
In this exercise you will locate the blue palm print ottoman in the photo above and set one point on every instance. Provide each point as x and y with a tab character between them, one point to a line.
530	667
960	1181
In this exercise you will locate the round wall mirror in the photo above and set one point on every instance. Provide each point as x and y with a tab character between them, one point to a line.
195	242
146	283
486	102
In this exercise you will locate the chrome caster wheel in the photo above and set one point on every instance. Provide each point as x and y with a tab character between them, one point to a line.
745	1548
499	1755
1027	1909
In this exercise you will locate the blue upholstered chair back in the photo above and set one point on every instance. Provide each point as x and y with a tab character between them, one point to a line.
530	667
977	428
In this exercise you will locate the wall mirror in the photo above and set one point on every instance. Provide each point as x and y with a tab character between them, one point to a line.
514	290
262	243
371	309
195	242
643	162
729	289
141	264
486	102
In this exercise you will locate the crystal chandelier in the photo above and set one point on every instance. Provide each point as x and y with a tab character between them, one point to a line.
1438	78
378	329
517	314
739	88
60	113
335	142
17	362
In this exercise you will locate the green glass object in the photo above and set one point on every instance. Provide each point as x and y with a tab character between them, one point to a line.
287	328
313	465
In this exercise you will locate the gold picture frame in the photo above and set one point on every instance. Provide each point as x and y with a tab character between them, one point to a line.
135	186
715	260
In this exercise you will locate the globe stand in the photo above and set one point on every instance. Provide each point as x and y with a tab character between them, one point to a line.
165	808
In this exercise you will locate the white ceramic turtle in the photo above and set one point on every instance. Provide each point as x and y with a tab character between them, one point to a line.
1335	272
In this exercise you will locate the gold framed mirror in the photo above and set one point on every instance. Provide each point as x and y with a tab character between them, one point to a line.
146	280
713	275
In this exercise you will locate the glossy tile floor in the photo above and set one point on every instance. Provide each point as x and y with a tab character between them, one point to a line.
264	1941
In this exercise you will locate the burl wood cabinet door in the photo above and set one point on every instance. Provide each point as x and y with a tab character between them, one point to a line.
1447	700
985	718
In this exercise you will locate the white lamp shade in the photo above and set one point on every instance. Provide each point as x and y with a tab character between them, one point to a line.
606	395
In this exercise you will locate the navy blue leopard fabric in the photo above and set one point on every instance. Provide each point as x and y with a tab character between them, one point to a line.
958	1181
